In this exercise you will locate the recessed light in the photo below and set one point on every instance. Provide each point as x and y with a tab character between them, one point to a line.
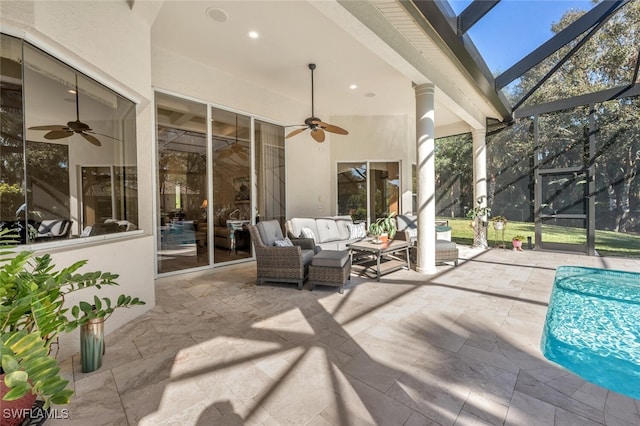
253	34
370	95
353	86
72	91
217	15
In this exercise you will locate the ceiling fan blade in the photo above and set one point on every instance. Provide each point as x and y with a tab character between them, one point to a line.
91	139
58	134
317	135
295	132
331	128
101	134
52	127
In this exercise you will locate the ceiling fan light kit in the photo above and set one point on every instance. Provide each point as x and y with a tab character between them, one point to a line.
316	126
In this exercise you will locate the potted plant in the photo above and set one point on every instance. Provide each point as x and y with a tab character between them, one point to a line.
384	225
517	242
33	314
499	222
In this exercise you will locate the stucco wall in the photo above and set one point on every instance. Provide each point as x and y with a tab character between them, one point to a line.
111	44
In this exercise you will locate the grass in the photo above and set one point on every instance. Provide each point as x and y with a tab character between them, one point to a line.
608	243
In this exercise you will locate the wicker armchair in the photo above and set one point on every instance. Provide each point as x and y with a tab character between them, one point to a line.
280	264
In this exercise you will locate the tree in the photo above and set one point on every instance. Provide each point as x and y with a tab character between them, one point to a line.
605	61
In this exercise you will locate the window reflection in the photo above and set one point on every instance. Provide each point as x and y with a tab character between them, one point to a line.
231	136
182	184
378	182
270	172
71	123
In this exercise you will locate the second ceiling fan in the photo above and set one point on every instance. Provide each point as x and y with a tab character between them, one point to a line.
314	124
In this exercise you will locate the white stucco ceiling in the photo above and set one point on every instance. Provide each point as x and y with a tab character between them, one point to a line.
296	33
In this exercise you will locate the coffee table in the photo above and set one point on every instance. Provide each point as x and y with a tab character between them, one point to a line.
379	258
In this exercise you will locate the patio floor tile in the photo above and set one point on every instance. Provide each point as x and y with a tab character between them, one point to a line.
461	347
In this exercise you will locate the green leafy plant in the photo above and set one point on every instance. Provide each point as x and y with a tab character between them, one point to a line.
479	211
33	314
386	223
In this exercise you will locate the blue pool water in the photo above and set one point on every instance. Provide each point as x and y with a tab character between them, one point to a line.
593	326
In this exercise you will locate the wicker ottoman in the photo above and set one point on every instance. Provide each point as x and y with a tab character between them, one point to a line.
330	267
446	251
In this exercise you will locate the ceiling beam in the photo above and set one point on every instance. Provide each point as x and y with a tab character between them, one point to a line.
576	101
559	64
473	13
598	13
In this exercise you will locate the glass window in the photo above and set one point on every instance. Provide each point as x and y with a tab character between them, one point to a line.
352	190
182	184
231	136
384	183
72	122
12	167
378	182
270	172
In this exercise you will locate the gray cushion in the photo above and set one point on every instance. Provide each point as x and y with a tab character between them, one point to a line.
270	231
307	256
343	222
327	230
330	258
445	245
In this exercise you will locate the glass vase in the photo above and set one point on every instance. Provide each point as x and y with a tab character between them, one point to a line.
92	344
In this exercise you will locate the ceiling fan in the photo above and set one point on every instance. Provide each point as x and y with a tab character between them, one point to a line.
313	123
233	148
59	131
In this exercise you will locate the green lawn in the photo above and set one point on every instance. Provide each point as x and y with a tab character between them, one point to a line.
608	243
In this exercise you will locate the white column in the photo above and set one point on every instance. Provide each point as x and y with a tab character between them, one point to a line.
479	168
426	171
480	185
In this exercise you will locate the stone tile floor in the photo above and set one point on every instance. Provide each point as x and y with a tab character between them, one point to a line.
457	348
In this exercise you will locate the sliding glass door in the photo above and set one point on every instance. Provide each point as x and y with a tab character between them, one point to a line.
182	184
231	206
218	171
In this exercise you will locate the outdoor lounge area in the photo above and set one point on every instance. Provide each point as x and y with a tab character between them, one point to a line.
461	347
237	168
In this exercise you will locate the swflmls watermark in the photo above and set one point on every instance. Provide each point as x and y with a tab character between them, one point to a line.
35	414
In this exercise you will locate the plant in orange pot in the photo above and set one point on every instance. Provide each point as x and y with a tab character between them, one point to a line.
384	228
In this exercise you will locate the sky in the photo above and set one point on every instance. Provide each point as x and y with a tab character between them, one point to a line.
514	28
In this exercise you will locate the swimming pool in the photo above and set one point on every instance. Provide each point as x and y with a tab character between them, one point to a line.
593	326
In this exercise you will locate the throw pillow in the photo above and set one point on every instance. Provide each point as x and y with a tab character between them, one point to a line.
307	233
283	243
357	231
